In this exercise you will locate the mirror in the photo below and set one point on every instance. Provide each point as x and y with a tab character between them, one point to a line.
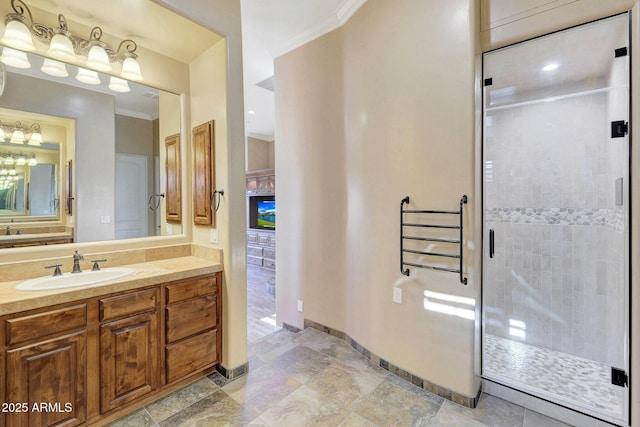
115	141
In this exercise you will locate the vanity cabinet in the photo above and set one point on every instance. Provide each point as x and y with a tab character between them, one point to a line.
90	358
128	347
46	367
192	326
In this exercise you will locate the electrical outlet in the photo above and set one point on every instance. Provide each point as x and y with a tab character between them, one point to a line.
397	295
105	219
300	306
213	235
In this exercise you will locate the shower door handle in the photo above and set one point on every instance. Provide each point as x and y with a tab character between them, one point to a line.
492	243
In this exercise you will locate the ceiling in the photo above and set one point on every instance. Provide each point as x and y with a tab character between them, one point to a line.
271	28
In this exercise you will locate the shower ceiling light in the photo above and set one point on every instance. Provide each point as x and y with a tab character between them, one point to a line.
65	46
550	67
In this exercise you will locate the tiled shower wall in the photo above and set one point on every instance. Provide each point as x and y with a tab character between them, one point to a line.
558	278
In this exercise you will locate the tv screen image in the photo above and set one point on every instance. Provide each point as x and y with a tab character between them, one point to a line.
267	214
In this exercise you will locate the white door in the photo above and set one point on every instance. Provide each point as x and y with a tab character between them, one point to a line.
131	196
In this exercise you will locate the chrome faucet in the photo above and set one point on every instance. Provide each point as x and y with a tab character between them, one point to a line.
76	262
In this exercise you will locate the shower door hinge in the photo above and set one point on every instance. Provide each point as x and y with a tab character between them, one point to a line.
619	129
620	52
619	377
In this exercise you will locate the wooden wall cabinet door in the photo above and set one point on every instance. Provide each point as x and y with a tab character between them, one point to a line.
129	359
173	190
203	173
52	372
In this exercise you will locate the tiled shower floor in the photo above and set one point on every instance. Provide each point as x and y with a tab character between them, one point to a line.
553	375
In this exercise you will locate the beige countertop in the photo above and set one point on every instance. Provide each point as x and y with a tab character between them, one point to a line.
145	274
33	237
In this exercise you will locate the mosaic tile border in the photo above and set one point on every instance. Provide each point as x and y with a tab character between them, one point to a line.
611	218
234	373
460	399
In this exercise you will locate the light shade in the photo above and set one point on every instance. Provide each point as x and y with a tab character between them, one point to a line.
54	68
2	135
87	76
98	59
21	160
118	85
12	172
17	137
8	160
32	160
61	48
17	35
15	58
35	138
131	69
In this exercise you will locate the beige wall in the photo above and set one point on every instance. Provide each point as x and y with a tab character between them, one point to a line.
260	154
209	103
369	114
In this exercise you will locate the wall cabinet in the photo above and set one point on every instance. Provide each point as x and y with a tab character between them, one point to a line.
92	357
203	173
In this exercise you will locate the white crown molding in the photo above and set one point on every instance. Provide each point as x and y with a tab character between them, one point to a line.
267	138
134	114
342	15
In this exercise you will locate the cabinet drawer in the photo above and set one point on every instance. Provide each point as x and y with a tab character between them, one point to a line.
272	241
191	288
263	239
254	260
39	325
252	237
124	305
269	263
269	253
191	354
254	251
190	317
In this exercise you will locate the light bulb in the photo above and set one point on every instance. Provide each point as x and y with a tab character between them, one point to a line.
87	76
98	59
118	85
15	58
17	35
131	69
54	68
61	48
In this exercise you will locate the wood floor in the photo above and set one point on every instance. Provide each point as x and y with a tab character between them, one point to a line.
261	306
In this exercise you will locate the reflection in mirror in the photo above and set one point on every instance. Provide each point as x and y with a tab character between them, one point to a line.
116	142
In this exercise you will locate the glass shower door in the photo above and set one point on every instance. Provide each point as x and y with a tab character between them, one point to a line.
555	231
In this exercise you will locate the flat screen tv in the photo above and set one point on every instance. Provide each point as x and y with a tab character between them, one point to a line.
262	212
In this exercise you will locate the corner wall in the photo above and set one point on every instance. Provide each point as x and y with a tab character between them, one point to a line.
380	109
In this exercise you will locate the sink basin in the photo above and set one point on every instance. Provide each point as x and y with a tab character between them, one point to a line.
71	280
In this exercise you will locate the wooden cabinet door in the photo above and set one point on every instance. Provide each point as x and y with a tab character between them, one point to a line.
129	359
203	173
52	376
173	190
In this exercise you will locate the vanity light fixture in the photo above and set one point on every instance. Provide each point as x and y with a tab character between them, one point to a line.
4	171
8	160
21	160
12	172
65	46
32	159
17	134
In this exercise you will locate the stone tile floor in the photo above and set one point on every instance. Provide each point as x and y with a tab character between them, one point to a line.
313	379
261	305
